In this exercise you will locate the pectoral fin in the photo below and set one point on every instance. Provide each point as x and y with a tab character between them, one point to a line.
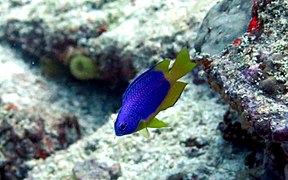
144	132
141	125
173	95
156	123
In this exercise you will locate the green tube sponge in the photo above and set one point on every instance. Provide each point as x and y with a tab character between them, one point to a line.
83	68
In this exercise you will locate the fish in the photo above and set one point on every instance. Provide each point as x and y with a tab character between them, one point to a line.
153	91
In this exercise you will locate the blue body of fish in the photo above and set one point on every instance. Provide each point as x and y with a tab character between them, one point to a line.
141	99
153	91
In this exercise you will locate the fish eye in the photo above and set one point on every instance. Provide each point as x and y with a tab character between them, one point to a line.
122	127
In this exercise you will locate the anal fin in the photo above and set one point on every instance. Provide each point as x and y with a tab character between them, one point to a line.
141	125
173	95
154	123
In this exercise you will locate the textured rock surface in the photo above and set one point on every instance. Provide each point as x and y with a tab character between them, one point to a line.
224	23
38	116
91	169
252	76
42	136
32	133
191	149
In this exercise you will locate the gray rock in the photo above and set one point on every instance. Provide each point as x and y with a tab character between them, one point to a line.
223	24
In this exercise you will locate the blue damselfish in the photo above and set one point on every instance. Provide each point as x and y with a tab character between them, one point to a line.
153	91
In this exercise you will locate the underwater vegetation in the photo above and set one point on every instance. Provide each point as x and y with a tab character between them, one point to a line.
153	91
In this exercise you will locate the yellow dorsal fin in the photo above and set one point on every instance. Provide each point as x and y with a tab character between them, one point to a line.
163	66
182	66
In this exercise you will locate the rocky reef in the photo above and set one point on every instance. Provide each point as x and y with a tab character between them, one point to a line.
62	32
252	76
32	134
118	36
63	129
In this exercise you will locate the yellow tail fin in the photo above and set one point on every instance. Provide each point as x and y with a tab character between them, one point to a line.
181	66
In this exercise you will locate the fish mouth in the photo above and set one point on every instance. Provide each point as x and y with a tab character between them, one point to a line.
119	133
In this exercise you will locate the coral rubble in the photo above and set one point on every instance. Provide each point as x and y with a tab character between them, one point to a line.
28	134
